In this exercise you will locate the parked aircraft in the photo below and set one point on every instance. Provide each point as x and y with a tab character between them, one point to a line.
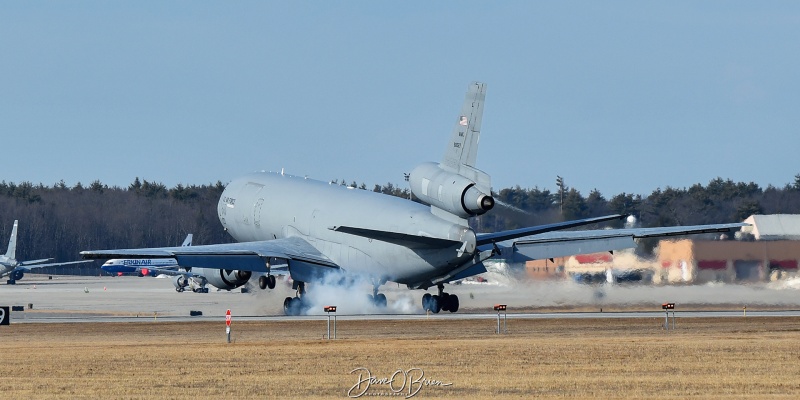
142	266
14	269
324	229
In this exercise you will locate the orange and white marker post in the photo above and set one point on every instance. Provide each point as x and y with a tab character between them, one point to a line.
228	323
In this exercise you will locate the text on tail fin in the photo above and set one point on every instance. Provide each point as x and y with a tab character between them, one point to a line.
462	150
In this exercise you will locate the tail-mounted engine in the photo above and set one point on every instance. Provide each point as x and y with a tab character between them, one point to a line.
449	191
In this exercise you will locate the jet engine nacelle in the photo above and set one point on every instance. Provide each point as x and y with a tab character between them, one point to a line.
226	278
180	281
449	191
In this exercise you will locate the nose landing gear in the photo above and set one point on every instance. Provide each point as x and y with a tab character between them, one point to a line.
266	282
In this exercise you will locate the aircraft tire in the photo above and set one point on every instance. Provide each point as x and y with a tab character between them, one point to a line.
296	306
426	302
444	301
286	303
380	300
436	304
293	306
271	281
453	306
262	282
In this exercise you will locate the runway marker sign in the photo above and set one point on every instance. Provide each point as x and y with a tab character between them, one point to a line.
5	316
228	323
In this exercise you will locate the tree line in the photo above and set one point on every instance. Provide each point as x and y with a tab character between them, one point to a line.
59	221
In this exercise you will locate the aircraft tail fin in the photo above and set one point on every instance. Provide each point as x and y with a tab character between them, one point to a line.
462	150
187	241
12	243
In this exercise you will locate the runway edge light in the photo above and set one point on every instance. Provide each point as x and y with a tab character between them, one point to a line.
331	310
501	308
667	307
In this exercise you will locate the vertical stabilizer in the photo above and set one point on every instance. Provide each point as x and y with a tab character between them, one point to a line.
462	150
187	241
12	243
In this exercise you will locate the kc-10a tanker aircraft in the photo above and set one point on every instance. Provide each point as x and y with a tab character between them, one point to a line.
318	229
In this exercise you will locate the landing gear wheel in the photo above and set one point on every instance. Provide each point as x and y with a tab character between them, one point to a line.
426	302
286	303
271	281
435	304
262	282
293	306
444	300
380	300
453	300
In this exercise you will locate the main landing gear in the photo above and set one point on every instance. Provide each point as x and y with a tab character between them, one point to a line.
295	305
440	302
377	299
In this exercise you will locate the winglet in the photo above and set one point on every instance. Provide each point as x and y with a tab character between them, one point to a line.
12	243
462	150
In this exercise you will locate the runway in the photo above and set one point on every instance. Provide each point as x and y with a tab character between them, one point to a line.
131	299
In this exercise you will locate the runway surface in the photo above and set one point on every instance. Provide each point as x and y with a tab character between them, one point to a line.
130	298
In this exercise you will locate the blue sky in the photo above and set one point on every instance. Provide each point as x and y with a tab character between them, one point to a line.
617	96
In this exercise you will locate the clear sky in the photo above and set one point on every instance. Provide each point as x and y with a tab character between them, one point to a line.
617	96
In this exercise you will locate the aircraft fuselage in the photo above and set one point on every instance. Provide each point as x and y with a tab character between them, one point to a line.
265	206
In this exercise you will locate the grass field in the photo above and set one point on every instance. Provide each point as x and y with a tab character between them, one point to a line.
753	357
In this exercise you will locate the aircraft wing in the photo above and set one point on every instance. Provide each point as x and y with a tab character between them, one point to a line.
244	256
28	267
560	244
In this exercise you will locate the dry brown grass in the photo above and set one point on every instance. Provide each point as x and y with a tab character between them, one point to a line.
576	358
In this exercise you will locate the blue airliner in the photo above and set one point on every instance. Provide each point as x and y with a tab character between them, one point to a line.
142	266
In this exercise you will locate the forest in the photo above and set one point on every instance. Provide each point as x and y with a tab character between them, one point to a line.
59	221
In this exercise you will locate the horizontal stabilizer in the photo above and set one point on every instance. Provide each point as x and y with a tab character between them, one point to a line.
561	244
549	249
39	261
397	238
486	238
28	267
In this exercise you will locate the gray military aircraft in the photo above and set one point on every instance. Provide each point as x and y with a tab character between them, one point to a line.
14	269
322	229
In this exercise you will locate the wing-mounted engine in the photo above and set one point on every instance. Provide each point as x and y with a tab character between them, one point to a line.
451	192
227	278
180	282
